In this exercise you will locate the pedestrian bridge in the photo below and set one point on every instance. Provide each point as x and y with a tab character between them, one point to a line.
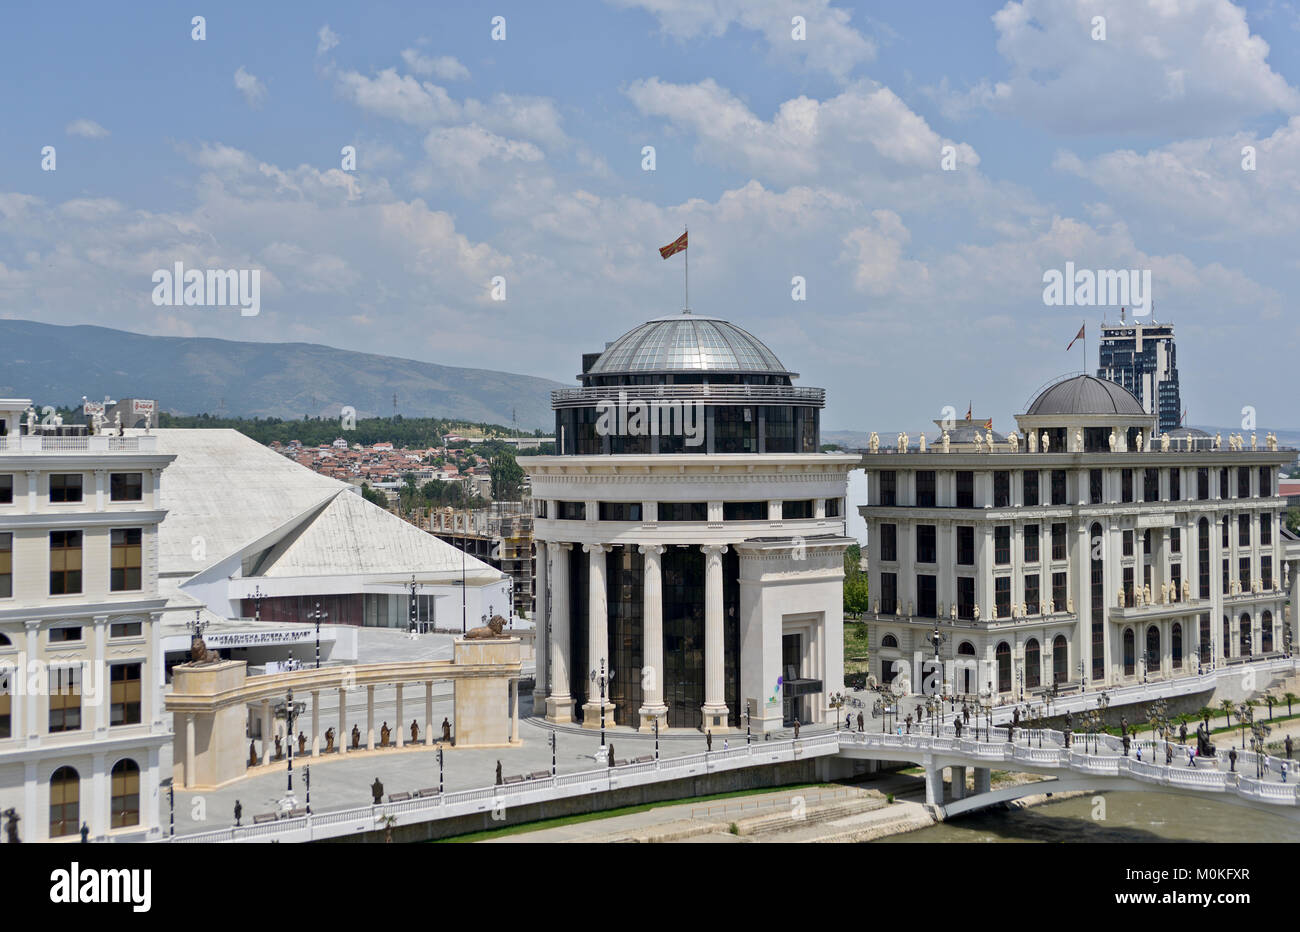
1087	762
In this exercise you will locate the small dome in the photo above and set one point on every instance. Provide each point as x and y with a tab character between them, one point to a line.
688	343
1084	394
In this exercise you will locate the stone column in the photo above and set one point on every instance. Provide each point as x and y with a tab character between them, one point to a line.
401	719
559	704
541	647
315	723
428	713
597	637
715	704
32	702
341	737
983	780
102	673
652	649
933	783
268	735
101	796
514	711
1295	603
370	718
958	783
189	749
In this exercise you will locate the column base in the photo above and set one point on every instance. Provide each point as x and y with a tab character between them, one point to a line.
715	718
559	709
539	700
649	714
591	715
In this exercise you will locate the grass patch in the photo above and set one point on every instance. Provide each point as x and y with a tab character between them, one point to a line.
622	810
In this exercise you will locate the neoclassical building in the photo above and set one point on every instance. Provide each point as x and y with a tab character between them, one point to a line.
1081	550
690	537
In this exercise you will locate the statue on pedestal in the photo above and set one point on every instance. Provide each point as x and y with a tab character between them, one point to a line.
1045	443
1014	441
990	439
979	443
329	740
356	737
1120	595
446	731
415	732
977	611
1031	441
252	754
11	826
1078	440
921	442
1164	442
377	791
1146	593
302	743
1051	607
947	442
1113	440
1187	590
279	751
384	732
1252	441
873	442
1069	604
499	780
952	611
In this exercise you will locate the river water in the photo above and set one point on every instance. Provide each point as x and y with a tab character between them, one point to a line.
1132	817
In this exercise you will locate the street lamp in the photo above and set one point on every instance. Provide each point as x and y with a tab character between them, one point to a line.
414	605
552	752
601	678
257	597
316	616
291	711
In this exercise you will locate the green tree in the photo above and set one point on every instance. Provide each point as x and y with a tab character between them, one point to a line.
373	495
1293	520
507	475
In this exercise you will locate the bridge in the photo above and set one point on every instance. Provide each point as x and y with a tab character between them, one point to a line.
1094	763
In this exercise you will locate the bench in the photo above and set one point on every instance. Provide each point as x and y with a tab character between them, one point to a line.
297	813
620	763
398	797
264	817
643	759
425	793
539	775
513	778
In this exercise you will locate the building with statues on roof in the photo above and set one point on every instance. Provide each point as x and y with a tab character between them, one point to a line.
1081	551
690	538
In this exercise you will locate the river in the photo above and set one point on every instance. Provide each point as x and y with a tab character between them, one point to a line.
1131	817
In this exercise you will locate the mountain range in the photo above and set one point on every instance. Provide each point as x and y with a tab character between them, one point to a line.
196	375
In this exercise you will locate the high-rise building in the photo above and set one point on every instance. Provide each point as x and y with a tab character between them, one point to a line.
1142	358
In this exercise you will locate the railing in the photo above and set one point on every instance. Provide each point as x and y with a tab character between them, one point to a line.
708	394
92	443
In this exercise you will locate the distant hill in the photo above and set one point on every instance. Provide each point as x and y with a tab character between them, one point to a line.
195	375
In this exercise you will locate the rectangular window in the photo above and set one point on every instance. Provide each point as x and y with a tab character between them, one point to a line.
1032	595
1128	585
1058	541
926	548
1227	577
744	511
833	507
926	606
797	510
1265	481
1151	485
65	633
572	511
1127	546
1203	484
1176	577
1175	540
1243	573
124	694
966	597
888	594
1031	487
1002	545
65	487
683	511
925	497
965	489
889	543
6	703
1001	488
1002	595
1265	530
1059	594
126	560
1175	485
620	511
1031	543
1266	572
1058	487
65	562
125	629
1223	482
539	507
1126	485
126	486
965	546
1243	482
65	699
1243	530
6	489
888	487
1095	486
6	564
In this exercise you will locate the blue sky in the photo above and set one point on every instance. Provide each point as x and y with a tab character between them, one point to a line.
817	158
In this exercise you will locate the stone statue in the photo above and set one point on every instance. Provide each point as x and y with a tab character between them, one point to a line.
1051	607
979	442
909	608
1031	441
1272	442
11	827
1164	593
415	732
446	731
1045	443
384	732
947	442
329	740
377	791
1140	447
921	442
1146	592
873	442
977	611
1138	598
609	754
1121	596
499	780
279	750
1069	604
875	606
902	442
1164	442
952	611
1252	441
239	811
117	423
1187	590
252	754
489	631
199	652
356	737
989	438
1014	440
1218	441
1113	440
1024	610
31	429
1078	440
302	743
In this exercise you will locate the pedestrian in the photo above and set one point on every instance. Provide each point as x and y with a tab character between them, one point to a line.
1232	760
848	721
1283	771
725	744
1191	757
1139	752
1169	754
1266	766
1288	747
860	722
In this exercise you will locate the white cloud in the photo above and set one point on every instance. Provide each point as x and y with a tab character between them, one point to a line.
458	154
327	39
1173	66
250	86
444	66
86	128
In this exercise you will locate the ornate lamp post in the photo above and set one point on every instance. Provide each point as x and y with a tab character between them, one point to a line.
257	597
414	620
290	712
317	616
552	752
602	679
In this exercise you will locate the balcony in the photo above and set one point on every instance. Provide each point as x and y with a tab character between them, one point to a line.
14	444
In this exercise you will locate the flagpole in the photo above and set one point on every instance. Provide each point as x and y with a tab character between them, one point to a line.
686	264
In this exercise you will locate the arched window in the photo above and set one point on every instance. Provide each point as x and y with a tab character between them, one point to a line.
967	667
1060	659
1266	632
889	641
1227	637
1176	645
126	793
1003	654
1153	650
1130	662
4	641
1033	664
65	802
1245	634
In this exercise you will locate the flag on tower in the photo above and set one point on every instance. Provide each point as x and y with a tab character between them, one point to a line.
673	248
969	407
988	425
1077	336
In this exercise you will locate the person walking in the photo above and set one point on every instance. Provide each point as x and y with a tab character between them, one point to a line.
1288	747
1191	757
860	722
1283	771
1139	752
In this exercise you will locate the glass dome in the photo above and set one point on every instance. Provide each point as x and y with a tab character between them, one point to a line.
687	343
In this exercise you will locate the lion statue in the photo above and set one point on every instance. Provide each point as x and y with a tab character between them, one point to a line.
491	630
199	652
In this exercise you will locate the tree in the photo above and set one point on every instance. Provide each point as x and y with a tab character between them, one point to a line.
1227	707
373	495
507	475
1289	698
1293	520
855	582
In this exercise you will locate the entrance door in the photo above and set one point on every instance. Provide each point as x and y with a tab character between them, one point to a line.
792	669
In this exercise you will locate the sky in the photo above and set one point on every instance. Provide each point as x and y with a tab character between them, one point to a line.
875	190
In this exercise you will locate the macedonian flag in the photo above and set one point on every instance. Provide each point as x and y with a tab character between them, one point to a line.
676	246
